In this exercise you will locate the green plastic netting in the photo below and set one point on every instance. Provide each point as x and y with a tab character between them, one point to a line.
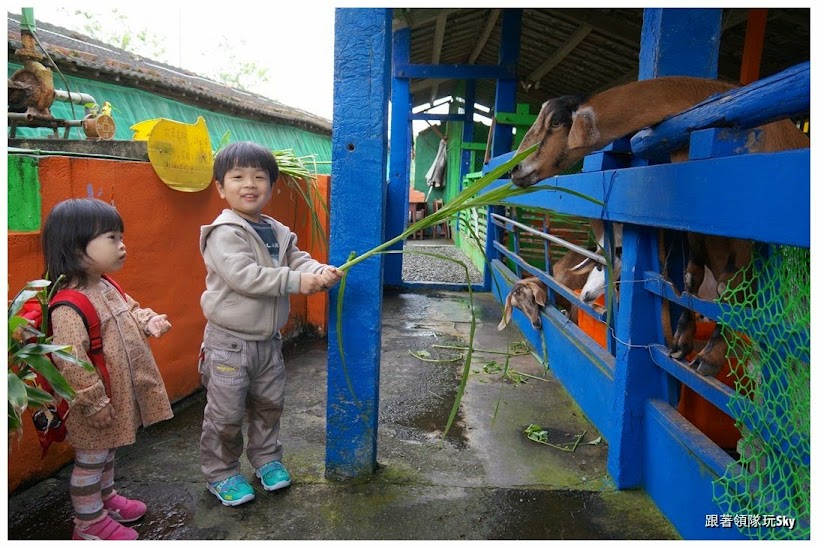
769	355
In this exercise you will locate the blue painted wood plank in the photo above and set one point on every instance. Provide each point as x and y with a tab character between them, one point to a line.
709	388
454	71
679	42
466	155
718	142
681	465
781	95
706	196
362	60
637	378
497	160
397	191
505	101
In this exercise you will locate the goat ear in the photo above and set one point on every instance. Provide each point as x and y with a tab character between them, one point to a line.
506	313
584	133
539	295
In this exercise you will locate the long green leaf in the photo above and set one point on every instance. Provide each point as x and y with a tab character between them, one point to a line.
71	358
37	397
47	369
15	421
37	349
17	392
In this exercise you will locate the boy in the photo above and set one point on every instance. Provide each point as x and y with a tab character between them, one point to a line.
253	265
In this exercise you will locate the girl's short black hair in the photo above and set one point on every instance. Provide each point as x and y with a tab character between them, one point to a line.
66	233
244	154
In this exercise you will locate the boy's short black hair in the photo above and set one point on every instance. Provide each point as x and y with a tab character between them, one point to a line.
244	154
70	226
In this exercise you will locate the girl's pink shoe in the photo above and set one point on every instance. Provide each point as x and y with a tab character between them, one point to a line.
106	529
124	510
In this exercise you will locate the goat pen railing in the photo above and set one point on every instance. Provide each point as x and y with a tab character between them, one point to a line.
631	394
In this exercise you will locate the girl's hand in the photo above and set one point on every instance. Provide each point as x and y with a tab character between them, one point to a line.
158	325
103	418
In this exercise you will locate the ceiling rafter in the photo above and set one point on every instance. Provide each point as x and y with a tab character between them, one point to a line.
537	74
494	15
437	47
414	18
601	24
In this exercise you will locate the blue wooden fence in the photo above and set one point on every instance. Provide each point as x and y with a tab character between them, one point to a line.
629	388
630	397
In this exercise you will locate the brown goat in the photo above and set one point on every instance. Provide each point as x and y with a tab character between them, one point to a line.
568	128
529	294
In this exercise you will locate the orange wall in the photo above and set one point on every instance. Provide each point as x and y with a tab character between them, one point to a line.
164	270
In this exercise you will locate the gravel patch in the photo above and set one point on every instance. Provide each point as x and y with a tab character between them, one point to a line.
423	268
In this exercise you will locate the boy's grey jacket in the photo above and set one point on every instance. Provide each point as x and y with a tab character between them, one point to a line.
247	293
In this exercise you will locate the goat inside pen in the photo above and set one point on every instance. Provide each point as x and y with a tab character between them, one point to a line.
669	196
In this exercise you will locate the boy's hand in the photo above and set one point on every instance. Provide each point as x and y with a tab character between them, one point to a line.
103	418
331	276
313	283
158	325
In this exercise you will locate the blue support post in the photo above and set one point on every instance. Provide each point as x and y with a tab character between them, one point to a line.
358	195
674	42
468	132
397	191
505	101
680	42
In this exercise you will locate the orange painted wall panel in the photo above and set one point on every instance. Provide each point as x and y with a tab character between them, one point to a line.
164	270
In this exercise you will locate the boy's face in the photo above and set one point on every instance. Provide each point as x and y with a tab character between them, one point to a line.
247	190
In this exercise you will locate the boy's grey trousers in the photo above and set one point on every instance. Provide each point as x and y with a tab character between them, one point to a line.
239	375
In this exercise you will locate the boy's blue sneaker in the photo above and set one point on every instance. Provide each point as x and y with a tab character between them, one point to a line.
233	491
273	476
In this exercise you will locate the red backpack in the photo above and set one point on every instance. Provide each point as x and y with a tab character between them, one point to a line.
49	421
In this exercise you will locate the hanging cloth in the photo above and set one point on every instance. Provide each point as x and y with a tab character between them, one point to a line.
436	176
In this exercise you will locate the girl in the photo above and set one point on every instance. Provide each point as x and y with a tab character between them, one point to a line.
82	241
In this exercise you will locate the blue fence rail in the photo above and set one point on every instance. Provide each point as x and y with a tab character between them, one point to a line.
760	197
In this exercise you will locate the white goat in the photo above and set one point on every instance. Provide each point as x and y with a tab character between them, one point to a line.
569	128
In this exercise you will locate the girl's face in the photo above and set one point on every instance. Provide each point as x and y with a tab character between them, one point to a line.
105	253
247	190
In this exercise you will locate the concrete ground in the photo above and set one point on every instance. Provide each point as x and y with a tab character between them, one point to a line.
485	480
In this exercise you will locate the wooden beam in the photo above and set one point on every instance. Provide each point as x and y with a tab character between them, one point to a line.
414	18
599	23
753	45
437	47
484	37
554	60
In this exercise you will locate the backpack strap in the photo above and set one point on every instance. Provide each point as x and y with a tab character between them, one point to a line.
82	306
113	283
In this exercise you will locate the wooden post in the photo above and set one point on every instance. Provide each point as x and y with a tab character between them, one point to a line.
753	45
397	192
674	42
362	62
504	101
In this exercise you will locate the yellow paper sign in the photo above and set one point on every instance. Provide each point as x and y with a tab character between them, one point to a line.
180	153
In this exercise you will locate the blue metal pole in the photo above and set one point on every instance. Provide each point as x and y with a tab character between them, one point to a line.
358	197
397	191
505	101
